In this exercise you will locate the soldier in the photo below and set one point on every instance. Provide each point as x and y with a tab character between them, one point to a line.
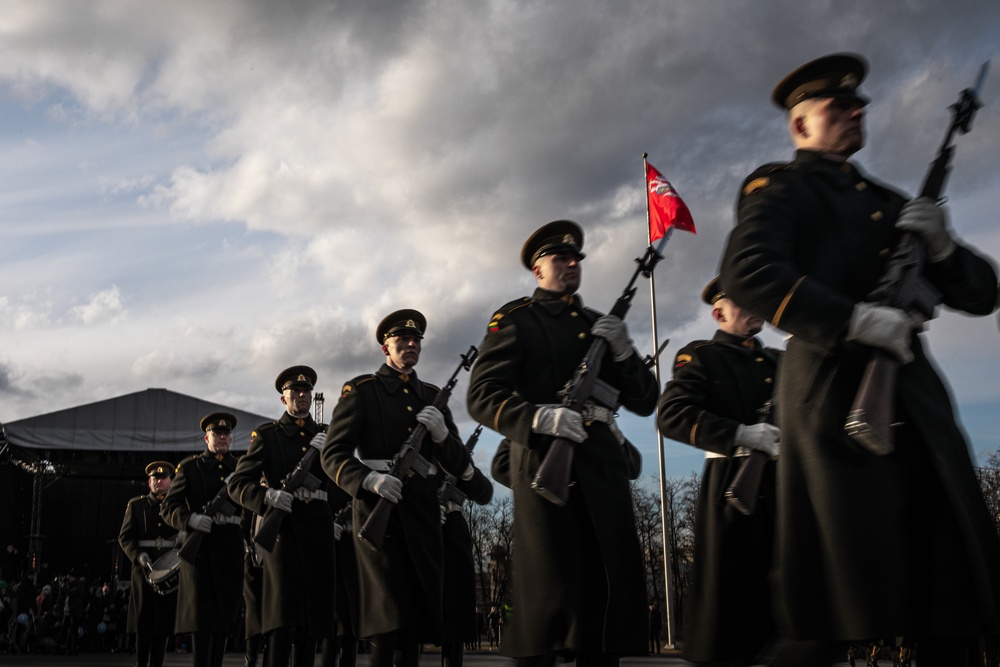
298	587
579	586
811	241
713	403
210	591
400	584
144	538
459	565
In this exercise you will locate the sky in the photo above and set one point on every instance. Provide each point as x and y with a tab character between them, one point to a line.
195	195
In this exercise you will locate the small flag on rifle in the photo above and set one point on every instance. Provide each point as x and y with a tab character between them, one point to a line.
666	208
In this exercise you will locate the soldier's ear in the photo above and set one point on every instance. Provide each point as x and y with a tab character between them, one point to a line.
718	315
385	350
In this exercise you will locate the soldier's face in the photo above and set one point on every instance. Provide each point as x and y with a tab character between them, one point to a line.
403	352
218	441
297	400
559	272
159	485
830	125
733	319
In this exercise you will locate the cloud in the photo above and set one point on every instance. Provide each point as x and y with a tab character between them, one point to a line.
106	306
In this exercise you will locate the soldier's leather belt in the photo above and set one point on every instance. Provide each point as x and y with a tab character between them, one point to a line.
159	543
592	412
385	465
740	451
225	519
307	495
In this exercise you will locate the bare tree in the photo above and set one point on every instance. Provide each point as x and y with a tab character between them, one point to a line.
989	482
492	529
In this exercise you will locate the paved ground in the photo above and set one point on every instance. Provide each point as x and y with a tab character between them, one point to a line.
235	660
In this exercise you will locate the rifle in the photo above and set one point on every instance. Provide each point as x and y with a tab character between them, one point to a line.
299	477
553	475
409	460
219	504
903	286
744	490
449	490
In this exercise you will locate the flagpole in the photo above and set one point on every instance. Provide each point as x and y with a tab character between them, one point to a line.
664	526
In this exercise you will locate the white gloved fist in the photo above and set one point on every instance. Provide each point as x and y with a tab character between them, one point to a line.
279	500
432	418
886	328
926	219
318	441
386	486
144	560
612	329
764	437
200	522
560	422
338	530
468	473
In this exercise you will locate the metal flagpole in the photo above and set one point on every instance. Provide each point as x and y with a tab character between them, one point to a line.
664	526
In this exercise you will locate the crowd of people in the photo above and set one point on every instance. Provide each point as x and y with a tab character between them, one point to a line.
325	534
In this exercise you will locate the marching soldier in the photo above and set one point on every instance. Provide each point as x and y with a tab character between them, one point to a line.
400	583
144	538
211	590
299	586
713	403
579	587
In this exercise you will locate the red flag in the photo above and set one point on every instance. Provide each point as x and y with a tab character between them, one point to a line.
666	208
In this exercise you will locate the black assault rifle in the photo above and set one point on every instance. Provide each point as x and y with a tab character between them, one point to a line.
744	490
903	286
553	475
409	460
298	477
449	490
219	504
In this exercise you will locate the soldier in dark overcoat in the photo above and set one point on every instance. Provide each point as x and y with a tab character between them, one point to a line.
342	648
716	402
298	587
400	583
144	538
210	592
813	237
253	587
459	564
578	586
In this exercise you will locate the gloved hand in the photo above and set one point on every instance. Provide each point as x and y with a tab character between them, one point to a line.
144	560
318	441
925	218
387	486
468	473
560	422
886	328
432	418
612	329
279	500
200	522
764	437
338	530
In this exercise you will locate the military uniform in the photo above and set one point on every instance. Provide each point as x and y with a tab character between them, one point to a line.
144	531
811	241
210	590
579	583
718	385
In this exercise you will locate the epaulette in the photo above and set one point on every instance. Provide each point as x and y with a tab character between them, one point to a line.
683	358
761	177
186	460
504	310
132	500
263	427
351	384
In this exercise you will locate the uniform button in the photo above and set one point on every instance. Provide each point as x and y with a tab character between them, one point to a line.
876	216
861	186
581	335
405	390
409	408
759	359
304	448
768	380
573	313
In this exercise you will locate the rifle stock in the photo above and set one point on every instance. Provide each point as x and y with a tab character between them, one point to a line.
903	286
372	532
219	504
552	479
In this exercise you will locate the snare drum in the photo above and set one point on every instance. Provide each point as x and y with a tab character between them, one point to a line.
165	572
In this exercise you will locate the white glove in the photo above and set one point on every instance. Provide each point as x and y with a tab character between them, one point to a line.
144	560
560	422
387	486
612	329
926	219
468	473
886	328
432	418
200	522
318	441
279	500
764	437
338	530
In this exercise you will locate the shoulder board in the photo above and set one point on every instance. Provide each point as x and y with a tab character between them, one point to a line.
761	178
503	311
136	499
263	427
351	384
686	354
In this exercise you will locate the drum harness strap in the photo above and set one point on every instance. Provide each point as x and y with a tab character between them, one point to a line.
159	542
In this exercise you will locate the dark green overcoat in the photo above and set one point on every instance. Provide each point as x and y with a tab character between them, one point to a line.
148	611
